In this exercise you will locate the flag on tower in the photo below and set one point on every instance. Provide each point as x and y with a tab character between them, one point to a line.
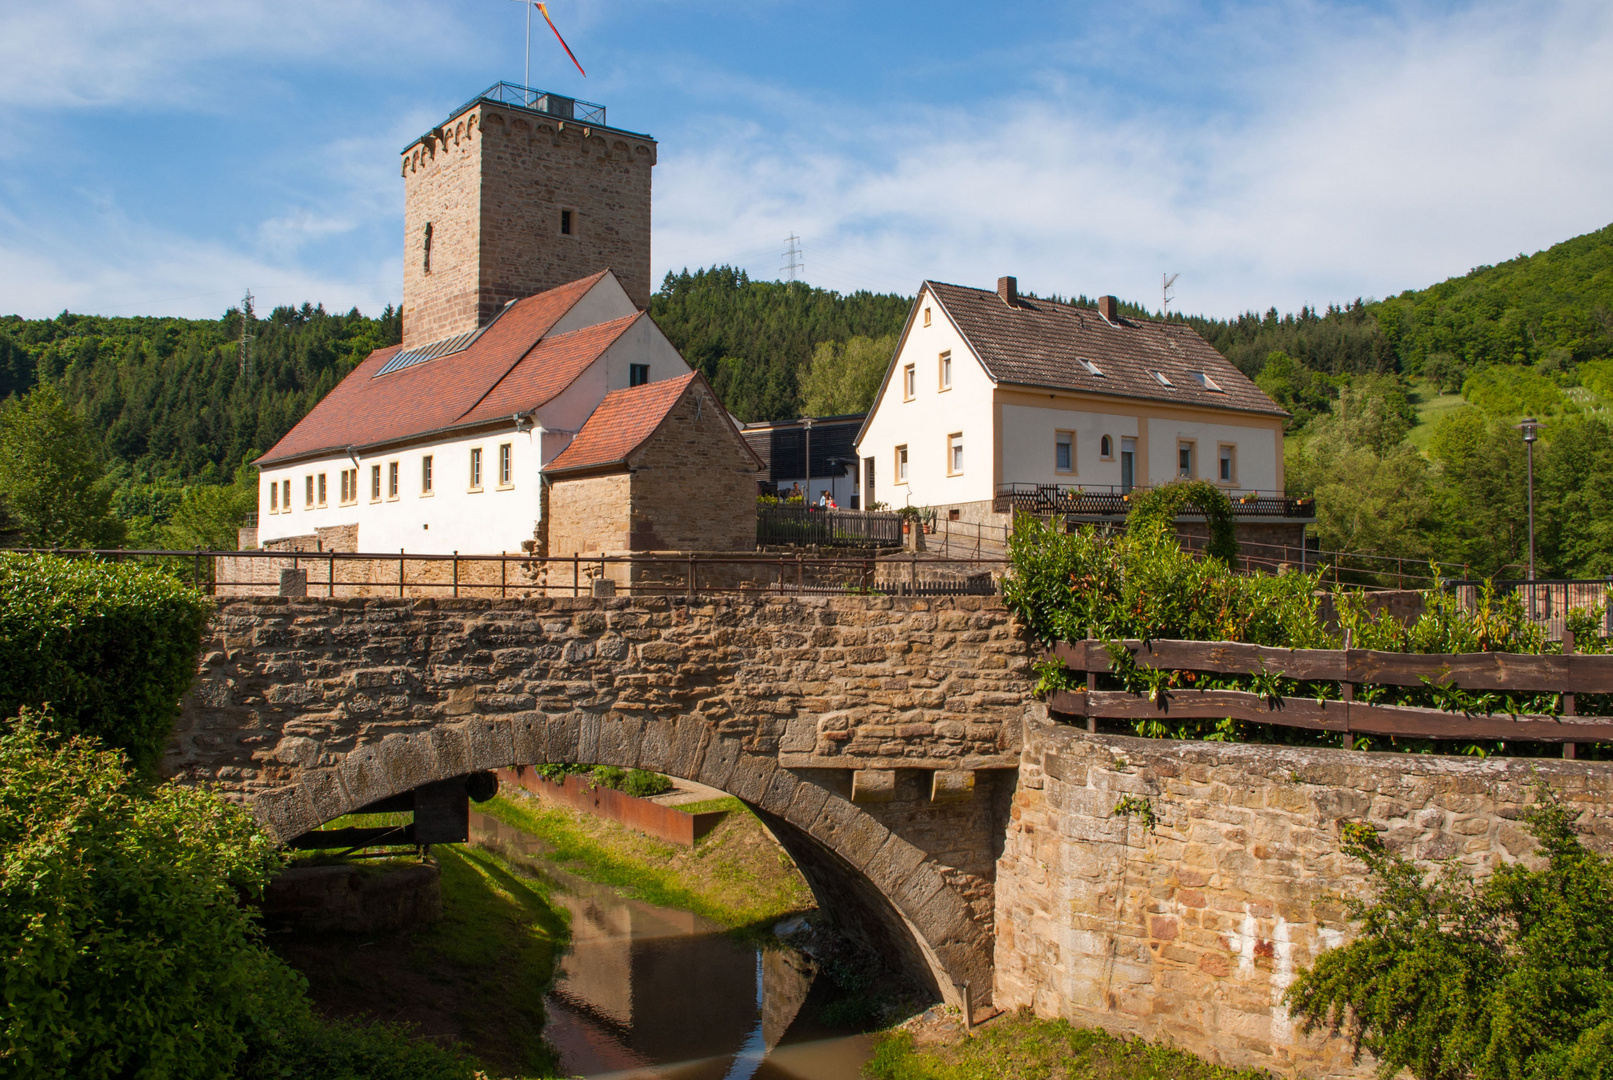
544	8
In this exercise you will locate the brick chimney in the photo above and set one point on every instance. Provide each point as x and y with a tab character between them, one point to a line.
1109	308
1008	289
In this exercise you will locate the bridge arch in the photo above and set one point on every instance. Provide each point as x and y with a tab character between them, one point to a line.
867	879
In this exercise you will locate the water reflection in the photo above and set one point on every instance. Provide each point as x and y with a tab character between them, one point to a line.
652	992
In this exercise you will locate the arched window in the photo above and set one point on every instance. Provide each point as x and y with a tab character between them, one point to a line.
1105	447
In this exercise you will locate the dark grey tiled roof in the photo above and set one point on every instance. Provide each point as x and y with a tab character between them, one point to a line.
1041	343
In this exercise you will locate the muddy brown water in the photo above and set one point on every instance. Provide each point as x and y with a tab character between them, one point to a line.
654	993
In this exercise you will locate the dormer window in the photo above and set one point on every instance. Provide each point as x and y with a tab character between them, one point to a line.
1091	368
1159	377
1208	383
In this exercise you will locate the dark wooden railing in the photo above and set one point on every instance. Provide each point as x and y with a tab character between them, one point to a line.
1566	674
802	525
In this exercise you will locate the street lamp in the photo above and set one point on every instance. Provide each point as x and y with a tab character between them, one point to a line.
806	500
1529	427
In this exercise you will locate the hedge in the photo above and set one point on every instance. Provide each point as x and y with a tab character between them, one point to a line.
110	647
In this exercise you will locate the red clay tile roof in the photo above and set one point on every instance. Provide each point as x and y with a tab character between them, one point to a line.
366	409
1041	343
621	424
552	365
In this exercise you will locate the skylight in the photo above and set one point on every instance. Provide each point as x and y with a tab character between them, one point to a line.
1207	382
1092	369
1159	377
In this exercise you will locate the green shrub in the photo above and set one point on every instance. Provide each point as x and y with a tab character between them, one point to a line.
643	785
126	949
111	647
1506	979
1156	509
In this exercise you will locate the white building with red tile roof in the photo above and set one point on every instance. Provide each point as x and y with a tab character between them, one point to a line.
443	447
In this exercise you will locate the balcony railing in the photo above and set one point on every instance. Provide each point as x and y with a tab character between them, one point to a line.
1044	499
555	105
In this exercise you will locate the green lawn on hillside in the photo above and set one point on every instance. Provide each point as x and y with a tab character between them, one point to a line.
1432	407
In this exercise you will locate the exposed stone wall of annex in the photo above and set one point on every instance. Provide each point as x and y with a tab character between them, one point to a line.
590	514
1192	931
694	482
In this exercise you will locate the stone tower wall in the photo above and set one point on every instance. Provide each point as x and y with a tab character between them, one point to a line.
493	182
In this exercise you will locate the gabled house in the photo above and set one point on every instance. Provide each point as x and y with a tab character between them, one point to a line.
444	446
990	394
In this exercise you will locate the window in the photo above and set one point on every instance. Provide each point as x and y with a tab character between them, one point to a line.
349	486
1208	383
504	464
909	383
638	374
392	480
321	489
375	483
1228	473
955	453
1064	451
425	250
1106	448
926	316
476	468
425	475
868	486
901	464
567	221
310	499
285	496
1159	377
1184	460
274	497
946	370
1091	368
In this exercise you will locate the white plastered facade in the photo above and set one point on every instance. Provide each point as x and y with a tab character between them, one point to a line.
456	515
1010	433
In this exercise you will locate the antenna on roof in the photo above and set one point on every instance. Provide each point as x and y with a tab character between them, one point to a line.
793	262
1165	294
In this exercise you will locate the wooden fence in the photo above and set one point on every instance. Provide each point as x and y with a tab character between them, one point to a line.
1567	674
780	525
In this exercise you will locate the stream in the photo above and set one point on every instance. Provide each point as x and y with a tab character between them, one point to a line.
651	992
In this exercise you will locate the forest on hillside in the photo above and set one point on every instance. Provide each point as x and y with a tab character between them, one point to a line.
1400	464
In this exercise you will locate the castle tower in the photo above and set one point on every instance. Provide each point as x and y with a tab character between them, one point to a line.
517	192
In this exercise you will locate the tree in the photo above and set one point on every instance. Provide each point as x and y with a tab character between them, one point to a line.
843	377
1450	978
209	515
51	477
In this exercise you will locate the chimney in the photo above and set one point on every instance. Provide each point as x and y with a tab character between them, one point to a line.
1109	308
1008	289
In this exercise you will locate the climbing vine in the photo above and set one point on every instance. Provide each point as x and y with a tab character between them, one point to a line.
1159	506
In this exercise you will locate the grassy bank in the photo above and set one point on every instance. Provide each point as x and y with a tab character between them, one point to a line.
735	875
475	979
1022	1047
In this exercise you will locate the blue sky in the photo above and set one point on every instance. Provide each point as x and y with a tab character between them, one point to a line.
163	156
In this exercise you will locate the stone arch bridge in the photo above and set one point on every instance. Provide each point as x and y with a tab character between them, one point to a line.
878	738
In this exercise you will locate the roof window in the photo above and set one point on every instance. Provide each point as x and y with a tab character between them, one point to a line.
1092	369
1207	382
1159	377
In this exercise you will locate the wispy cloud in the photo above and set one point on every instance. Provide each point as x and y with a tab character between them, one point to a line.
1369	160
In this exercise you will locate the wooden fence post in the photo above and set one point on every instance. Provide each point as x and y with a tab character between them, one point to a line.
1570	750
1092	684
1347	689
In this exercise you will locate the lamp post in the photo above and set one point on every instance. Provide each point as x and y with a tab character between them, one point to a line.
1529	427
806	422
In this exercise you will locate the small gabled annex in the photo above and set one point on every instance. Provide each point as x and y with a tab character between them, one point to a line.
659	467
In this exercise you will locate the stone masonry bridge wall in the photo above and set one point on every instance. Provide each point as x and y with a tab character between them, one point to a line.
877	736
